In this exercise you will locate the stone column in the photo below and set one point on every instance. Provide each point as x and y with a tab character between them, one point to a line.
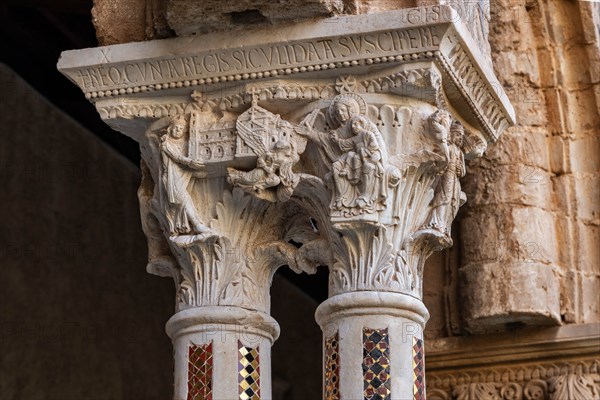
223	352
341	146
410	156
222	332
373	345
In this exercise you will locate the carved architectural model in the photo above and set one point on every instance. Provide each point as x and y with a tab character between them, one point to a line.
339	149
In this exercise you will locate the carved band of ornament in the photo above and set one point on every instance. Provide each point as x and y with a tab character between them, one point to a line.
457	64
417	56
564	387
573	381
257	62
343	84
142	111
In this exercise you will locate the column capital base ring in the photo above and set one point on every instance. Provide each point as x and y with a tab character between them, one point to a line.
364	303
222	318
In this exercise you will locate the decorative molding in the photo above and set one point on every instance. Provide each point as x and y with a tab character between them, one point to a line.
331	368
376	364
435	35
549	364
420	83
200	372
471	83
536	382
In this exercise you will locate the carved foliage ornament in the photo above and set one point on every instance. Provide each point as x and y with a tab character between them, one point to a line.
200	231
579	381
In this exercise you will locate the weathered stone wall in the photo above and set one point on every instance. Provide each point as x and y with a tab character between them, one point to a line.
530	230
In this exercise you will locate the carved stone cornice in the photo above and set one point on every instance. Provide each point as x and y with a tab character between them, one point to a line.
573	380
552	363
311	50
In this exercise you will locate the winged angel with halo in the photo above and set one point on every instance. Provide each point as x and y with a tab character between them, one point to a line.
278	148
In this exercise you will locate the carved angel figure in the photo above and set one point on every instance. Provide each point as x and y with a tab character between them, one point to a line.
448	195
277	147
175	176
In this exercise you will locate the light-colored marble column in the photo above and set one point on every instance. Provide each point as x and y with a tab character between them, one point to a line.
341	145
376	337
229	343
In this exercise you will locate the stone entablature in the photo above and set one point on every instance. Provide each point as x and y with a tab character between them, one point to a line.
309	50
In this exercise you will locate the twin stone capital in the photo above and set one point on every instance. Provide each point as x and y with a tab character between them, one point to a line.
347	153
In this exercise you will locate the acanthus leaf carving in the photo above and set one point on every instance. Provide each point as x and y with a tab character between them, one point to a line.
226	260
554	381
574	387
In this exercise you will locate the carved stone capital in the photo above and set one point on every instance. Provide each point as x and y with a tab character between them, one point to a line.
341	146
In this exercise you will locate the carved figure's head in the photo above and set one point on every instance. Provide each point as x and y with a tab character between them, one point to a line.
440	124
178	127
457	133
345	108
359	123
441	117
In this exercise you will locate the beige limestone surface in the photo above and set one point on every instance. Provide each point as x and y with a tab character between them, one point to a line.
531	228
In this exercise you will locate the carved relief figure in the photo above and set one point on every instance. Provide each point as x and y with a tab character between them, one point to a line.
448	195
439	123
355	153
358	173
175	177
277	146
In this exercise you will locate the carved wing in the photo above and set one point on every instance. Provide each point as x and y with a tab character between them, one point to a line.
252	138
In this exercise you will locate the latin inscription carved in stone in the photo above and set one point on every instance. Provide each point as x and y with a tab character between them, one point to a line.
215	63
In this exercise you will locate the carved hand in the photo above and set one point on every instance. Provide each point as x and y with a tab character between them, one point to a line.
303	130
195	164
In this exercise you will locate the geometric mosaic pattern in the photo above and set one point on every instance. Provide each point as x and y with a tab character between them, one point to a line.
332	368
376	364
418	369
200	368
249	373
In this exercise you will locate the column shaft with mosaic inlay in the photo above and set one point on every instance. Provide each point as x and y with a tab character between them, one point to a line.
340	146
